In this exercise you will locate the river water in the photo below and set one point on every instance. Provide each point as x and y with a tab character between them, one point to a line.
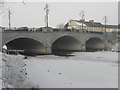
78	70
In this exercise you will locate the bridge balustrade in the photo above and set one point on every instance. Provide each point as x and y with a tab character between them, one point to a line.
54	30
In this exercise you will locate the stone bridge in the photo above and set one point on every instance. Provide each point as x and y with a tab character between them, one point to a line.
52	42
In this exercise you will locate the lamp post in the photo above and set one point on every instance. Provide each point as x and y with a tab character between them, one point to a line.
9	19
105	18
82	15
46	15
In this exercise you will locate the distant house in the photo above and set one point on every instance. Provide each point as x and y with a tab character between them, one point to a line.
111	28
89	26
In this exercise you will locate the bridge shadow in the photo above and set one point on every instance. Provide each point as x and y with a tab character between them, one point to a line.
64	53
93	50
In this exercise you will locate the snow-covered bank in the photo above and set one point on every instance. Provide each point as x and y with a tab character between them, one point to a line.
14	73
84	70
0	70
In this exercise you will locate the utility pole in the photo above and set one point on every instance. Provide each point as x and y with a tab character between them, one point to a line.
105	18
9	19
82	15
105	21
46	15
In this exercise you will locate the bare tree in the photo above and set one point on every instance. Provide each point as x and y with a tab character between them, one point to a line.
24	1
82	15
60	26
2	2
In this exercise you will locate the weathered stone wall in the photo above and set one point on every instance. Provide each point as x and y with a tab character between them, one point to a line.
48	38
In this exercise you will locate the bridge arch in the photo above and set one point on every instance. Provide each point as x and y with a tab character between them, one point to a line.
94	44
65	44
29	45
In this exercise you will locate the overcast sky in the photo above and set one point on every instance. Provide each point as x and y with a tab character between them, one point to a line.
32	14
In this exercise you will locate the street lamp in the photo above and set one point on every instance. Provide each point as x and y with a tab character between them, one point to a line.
46	8
105	18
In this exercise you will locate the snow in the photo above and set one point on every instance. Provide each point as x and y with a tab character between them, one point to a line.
80	24
4	47
14	73
0	71
115	47
84	70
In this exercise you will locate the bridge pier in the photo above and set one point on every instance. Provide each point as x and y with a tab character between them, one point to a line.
83	47
108	45
48	50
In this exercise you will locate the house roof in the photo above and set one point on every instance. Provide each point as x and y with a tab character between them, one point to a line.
90	24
